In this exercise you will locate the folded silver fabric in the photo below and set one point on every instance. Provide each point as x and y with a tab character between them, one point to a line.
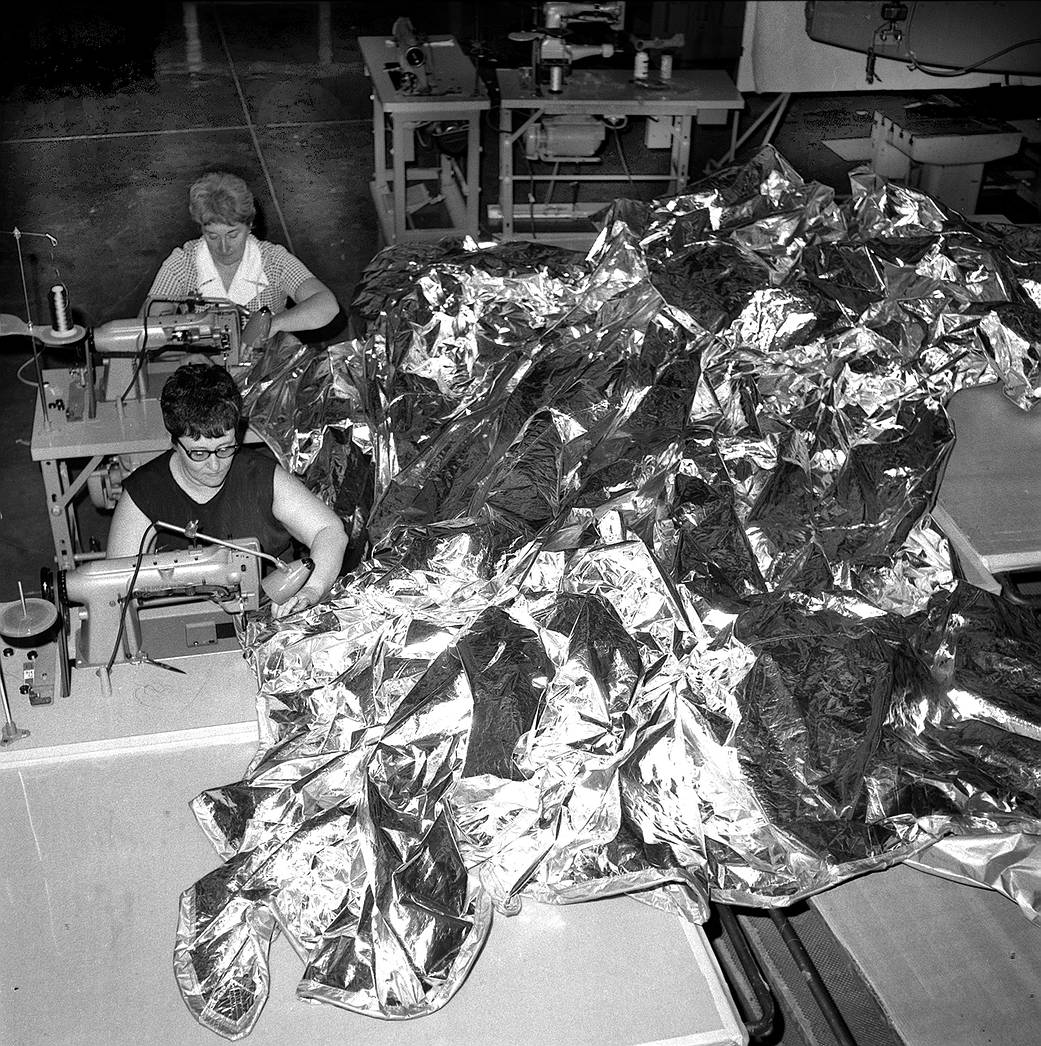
654	603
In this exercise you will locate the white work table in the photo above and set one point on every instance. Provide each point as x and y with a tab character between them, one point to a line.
989	503
951	964
454	94
99	843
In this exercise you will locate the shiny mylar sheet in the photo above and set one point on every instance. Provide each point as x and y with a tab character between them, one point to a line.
654	603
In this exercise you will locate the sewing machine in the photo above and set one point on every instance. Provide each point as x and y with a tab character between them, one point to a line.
210	327
570	33
174	604
179	603
410	74
189	325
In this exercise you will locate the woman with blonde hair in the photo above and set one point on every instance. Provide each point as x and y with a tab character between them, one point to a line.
227	262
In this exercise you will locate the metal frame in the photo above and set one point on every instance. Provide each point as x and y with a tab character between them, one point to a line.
459	96
690	97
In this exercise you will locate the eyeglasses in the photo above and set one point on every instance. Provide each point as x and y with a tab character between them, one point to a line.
198	454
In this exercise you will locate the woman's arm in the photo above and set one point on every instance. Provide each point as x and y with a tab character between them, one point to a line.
172	282
315	306
127	529
315	525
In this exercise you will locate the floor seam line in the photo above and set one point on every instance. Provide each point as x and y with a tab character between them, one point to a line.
276	125
253	134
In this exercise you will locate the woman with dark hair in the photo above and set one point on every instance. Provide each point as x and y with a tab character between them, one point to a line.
228	262
230	490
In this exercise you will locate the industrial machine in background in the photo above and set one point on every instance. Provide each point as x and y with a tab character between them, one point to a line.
570	33
567	114
427	102
573	32
414	58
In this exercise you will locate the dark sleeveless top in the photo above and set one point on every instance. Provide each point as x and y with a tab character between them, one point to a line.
240	509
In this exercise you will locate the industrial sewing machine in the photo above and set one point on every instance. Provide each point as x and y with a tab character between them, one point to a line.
120	611
409	76
118	356
570	33
214	328
173	604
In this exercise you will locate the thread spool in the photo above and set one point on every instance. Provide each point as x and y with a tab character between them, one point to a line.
641	65
62	326
666	66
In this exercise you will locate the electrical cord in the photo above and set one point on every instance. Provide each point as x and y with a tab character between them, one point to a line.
142	354
531	195
548	198
872	55
621	155
18	374
150	529
947	73
918	67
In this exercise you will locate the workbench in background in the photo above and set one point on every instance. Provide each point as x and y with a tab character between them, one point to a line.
454	95
671	109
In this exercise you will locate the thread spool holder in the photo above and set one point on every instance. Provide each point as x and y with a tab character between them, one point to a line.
62	336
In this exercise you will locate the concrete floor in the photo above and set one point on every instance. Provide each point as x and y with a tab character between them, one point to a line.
105	123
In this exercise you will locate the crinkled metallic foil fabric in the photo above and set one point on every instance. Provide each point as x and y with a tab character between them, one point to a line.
653	602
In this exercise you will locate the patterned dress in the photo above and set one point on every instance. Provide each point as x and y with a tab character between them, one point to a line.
267	275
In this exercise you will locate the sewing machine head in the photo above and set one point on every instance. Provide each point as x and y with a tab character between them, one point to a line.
212	328
197	325
177	603
410	77
569	33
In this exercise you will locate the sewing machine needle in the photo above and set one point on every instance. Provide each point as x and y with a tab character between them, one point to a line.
160	664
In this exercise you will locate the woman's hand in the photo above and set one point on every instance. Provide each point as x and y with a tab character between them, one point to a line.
257	329
308	596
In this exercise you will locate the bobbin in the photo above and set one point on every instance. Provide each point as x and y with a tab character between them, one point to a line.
61	331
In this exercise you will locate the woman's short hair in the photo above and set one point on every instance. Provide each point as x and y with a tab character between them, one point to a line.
221	197
200	400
